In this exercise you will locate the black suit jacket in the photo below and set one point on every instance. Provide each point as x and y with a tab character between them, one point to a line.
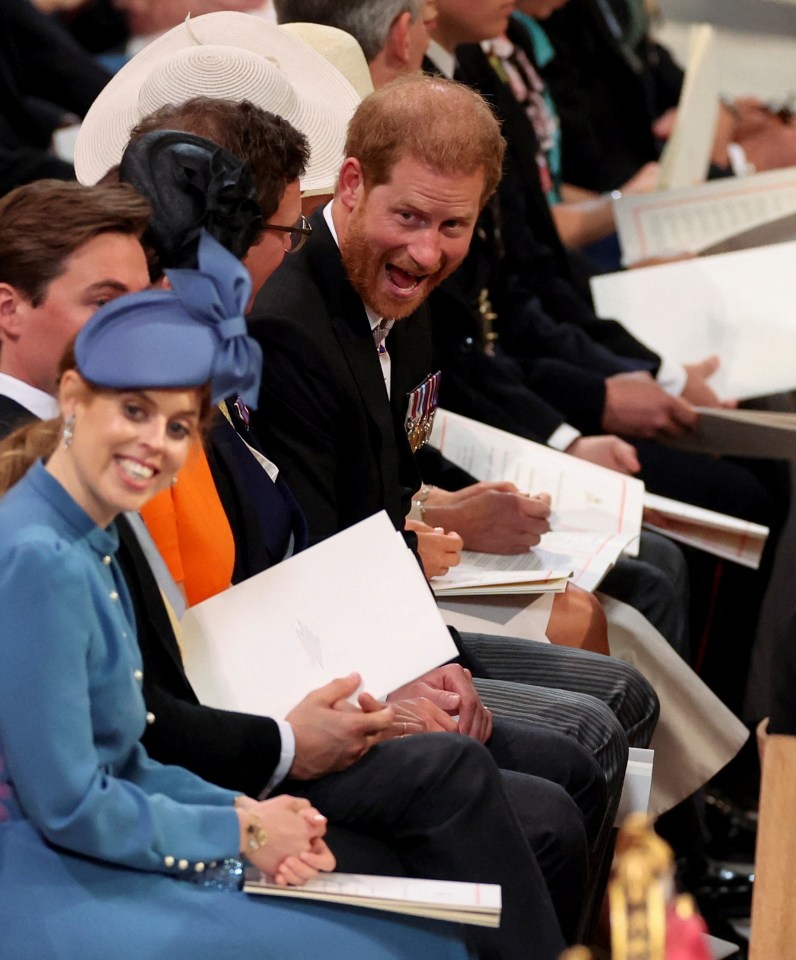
564	349
324	414
44	73
12	415
236	750
606	97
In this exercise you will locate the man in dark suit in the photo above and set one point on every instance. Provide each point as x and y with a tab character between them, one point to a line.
411	804
610	82
582	365
333	402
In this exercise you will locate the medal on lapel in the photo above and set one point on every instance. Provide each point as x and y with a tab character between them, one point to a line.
420	410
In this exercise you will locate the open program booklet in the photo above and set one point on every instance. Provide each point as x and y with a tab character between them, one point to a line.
596	513
727	537
736	212
474	903
355	602
738	306
743	433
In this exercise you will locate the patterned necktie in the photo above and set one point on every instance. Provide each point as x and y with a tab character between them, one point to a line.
380	334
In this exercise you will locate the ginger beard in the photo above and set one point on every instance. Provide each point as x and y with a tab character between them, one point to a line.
378	277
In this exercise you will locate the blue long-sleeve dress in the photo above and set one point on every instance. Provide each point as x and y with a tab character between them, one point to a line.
96	839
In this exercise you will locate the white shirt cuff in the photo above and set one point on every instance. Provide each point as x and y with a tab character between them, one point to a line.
672	377
563	437
286	757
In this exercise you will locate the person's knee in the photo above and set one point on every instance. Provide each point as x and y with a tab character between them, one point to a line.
549	818
578	620
631	698
434	761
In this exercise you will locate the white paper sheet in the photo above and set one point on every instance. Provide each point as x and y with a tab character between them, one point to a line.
477	903
502	616
527	572
596	513
686	156
637	784
740	306
695	218
356	602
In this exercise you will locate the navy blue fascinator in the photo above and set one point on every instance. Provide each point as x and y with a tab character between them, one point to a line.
190	335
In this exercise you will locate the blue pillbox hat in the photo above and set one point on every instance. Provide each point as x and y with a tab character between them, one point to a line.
188	336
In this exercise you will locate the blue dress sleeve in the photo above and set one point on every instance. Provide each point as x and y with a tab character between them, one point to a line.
71	714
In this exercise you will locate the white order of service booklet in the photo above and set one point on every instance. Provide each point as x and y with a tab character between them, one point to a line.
355	602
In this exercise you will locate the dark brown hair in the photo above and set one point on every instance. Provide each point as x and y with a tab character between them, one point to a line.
275	151
45	222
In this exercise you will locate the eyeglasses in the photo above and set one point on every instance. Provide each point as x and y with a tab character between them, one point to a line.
297	234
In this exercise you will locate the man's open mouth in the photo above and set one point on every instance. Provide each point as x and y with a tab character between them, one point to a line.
402	279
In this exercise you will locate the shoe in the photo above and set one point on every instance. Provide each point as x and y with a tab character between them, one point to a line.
731	828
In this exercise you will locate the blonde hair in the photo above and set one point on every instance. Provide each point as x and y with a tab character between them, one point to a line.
22	448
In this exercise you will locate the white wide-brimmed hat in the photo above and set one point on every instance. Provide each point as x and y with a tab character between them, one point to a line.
232	56
340	49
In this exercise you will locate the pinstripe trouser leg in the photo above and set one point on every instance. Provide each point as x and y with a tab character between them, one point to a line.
622	688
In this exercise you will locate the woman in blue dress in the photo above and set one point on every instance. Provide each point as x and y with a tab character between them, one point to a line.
104	852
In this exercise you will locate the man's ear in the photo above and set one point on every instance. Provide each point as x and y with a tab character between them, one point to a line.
351	183
12	305
397	44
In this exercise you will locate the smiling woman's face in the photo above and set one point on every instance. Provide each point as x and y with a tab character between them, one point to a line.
126	445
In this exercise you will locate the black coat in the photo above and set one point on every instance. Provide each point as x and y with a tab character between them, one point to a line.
44	74
323	413
607	97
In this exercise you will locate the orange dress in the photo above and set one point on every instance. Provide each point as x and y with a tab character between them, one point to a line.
191	530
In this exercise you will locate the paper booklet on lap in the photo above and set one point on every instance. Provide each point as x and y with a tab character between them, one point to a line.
726	537
596	513
733	212
742	433
481	574
740	306
355	602
474	903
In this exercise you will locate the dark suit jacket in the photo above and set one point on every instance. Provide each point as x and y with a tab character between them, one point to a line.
607	97
265	519
237	750
44	73
564	349
323	414
527	229
12	415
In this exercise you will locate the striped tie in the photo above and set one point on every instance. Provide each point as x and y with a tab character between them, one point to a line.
380	334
